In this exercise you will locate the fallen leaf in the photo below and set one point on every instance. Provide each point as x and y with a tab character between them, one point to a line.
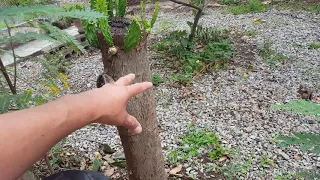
216	5
223	158
256	20
193	121
175	170
202	98
297	157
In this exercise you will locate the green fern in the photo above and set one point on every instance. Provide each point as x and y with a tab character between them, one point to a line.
26	37
133	36
304	140
32	12
301	107
121	8
105	29
62	36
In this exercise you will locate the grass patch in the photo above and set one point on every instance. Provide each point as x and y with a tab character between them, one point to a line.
250	33
315	45
229	2
211	49
272	57
297	6
196	143
253	6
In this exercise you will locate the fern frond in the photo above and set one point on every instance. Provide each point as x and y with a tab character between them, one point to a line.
26	37
88	15
122	6
304	140
105	30
62	36
23	12
90	33
300	107
133	36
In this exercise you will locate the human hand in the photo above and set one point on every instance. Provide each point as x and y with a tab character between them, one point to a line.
111	100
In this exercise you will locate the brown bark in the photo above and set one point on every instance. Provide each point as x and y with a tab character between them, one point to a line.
143	152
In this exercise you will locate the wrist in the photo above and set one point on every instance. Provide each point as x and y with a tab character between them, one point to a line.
79	109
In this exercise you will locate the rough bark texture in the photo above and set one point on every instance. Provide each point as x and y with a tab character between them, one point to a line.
143	152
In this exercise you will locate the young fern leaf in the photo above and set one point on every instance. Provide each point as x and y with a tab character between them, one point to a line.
300	107
122	6
155	15
101	6
90	33
62	36
110	6
133	36
142	7
105	30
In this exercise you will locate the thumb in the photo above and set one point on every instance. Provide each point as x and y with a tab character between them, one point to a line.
132	124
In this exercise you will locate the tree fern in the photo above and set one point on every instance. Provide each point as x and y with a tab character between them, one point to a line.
304	140
301	107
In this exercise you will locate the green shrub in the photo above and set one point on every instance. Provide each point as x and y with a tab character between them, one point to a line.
210	48
156	79
271	56
315	45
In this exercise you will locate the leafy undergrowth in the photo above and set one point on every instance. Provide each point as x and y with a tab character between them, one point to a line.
252	6
272	57
297	5
197	145
210	50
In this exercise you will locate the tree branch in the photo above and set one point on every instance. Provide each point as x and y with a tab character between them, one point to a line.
186	4
14	56
6	76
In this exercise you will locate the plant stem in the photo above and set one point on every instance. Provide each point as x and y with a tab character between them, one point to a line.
14	56
195	24
48	164
6	76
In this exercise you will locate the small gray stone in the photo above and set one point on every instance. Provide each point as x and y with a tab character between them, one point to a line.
284	155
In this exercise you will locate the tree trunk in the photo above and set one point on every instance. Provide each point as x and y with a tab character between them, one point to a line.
143	152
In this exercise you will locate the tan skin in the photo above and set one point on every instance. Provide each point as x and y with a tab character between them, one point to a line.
26	135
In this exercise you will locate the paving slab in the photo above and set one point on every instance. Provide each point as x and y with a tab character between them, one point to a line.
34	48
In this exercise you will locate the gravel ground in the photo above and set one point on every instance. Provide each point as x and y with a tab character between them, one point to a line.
233	106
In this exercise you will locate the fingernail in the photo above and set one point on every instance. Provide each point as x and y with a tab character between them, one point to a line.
133	75
137	130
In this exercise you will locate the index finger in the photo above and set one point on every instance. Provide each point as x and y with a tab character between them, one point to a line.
138	88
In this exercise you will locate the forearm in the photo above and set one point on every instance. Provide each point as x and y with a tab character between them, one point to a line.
26	139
